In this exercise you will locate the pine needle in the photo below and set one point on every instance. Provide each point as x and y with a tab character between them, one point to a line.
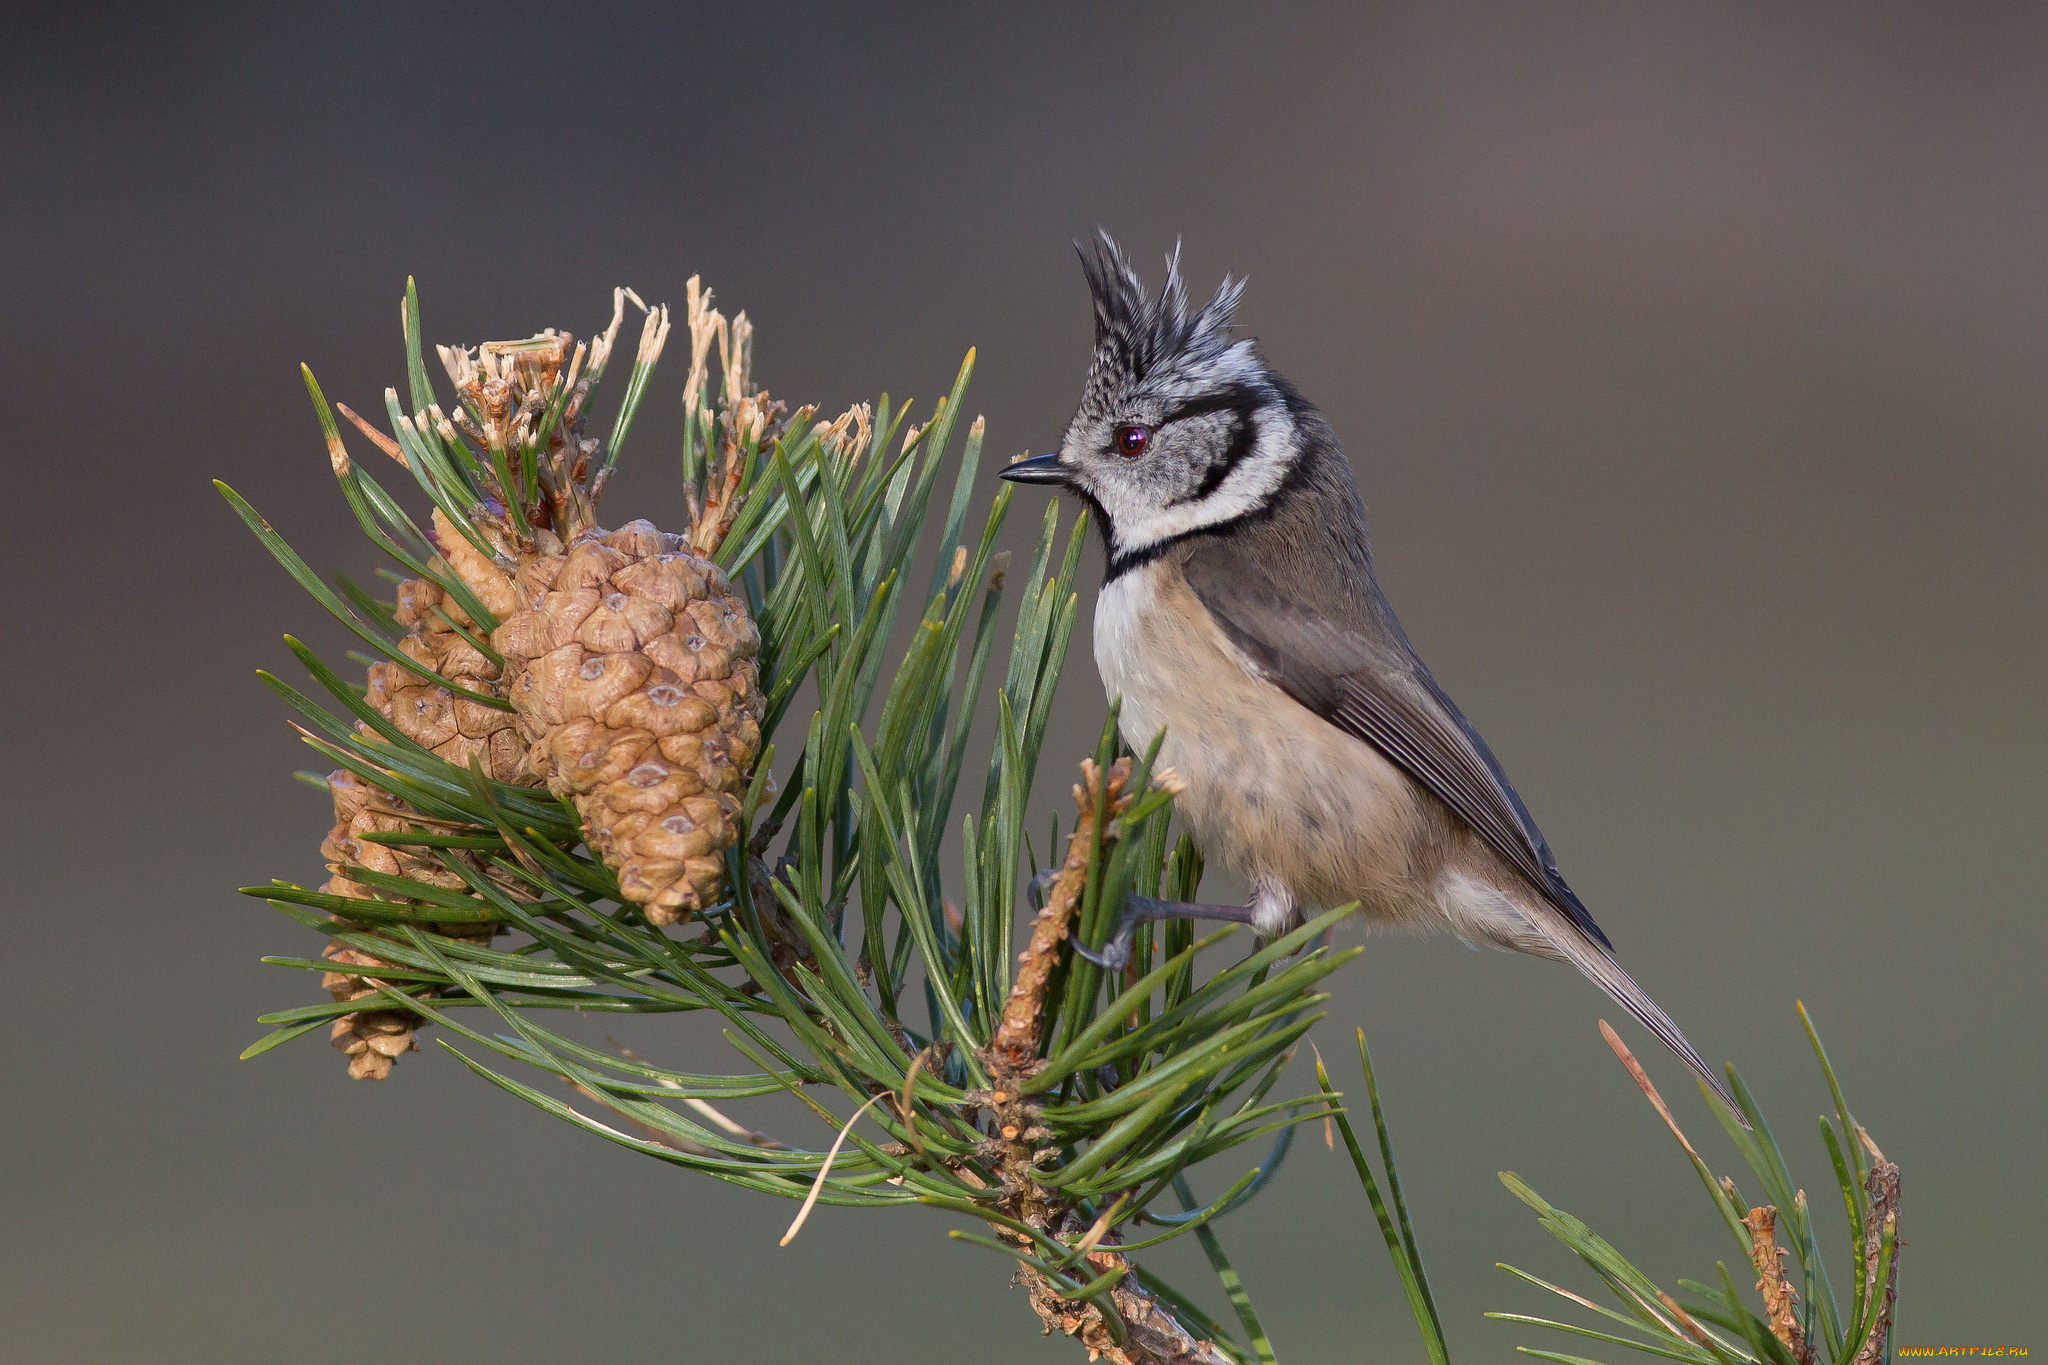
818	1185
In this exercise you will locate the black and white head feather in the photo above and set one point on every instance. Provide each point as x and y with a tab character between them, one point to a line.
1151	342
1220	430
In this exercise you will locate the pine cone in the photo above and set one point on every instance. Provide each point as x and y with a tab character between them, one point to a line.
631	665
436	718
628	659
452	727
372	1038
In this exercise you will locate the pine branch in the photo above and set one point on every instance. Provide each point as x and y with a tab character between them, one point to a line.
1716	1327
1053	1104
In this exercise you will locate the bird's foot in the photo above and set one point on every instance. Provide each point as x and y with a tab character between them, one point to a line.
1116	950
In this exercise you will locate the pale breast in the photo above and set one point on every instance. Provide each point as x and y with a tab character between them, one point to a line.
1274	792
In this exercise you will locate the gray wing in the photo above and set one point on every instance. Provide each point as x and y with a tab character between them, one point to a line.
1364	679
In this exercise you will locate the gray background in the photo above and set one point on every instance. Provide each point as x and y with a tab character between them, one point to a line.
1691	359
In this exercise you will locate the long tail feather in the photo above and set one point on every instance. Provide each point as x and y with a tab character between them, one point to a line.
1603	971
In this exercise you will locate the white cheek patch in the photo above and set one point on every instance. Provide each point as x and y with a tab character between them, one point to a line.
1140	521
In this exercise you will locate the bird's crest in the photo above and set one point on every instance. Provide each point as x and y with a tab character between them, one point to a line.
1137	337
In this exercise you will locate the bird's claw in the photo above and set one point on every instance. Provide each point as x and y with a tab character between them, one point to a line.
1112	955
1114	952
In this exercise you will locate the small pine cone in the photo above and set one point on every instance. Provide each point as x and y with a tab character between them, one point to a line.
372	1039
631	665
436	718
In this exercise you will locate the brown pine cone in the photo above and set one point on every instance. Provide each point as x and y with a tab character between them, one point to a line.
631	665
437	718
452	727
373	1038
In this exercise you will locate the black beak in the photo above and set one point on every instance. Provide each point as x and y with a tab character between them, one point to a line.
1037	469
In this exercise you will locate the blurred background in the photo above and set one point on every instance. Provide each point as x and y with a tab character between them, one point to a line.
1690	358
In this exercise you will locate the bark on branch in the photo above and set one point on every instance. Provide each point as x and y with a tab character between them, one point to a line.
1151	1333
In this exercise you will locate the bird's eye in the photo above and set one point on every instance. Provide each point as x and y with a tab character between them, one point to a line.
1130	441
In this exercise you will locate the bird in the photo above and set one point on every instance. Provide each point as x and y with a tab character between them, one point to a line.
1240	620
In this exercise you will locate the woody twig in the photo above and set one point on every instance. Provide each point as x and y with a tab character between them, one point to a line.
1151	1334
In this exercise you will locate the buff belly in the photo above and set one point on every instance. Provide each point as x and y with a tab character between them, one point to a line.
1308	815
